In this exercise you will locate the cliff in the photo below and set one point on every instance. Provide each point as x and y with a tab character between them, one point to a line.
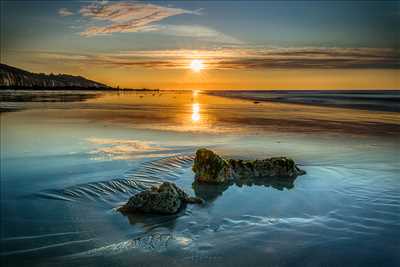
14	78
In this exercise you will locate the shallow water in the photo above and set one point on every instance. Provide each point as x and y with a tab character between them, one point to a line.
66	166
383	100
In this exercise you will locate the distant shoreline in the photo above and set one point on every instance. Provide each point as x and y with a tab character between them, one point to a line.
385	100
306	91
74	88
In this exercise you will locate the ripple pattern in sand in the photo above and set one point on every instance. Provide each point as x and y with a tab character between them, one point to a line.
146	175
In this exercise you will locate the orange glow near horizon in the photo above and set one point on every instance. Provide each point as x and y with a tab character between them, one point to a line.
230	79
284	79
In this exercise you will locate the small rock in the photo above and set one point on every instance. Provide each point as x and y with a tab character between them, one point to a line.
164	199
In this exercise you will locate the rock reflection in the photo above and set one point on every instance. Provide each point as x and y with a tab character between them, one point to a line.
151	221
47	96
210	192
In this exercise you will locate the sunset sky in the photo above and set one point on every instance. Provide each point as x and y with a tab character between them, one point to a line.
241	45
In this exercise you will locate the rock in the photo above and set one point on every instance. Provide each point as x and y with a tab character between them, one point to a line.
164	199
211	168
272	167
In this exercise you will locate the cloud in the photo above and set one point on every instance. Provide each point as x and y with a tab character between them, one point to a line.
106	18
240	58
195	31
311	58
126	17
64	12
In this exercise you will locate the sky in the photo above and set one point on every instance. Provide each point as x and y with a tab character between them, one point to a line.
241	45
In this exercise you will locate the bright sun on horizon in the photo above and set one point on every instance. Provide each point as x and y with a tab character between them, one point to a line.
196	65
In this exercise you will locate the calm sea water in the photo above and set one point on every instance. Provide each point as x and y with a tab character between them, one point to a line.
65	166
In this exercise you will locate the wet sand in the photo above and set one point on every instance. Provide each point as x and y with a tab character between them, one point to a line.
67	165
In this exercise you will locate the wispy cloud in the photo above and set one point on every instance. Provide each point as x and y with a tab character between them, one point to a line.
127	16
241	58
107	18
64	12
195	31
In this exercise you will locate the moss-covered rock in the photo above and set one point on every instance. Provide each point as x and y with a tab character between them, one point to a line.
211	168
164	199
272	167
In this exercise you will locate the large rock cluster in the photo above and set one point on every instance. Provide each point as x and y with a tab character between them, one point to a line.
214	171
211	168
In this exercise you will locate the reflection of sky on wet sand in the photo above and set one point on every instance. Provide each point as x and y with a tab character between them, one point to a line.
143	125
125	149
196	111
185	111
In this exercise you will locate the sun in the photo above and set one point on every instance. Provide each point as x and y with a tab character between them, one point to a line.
196	65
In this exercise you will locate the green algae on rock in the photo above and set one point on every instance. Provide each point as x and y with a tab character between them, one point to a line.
167	198
211	168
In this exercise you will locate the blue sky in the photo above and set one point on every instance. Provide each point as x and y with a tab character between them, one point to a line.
365	33
339	24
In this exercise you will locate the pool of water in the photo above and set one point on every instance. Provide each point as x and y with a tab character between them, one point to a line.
65	167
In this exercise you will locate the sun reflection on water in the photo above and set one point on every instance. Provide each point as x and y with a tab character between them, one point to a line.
195	93
195	112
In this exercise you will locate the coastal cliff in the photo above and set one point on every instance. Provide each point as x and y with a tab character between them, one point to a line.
14	78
